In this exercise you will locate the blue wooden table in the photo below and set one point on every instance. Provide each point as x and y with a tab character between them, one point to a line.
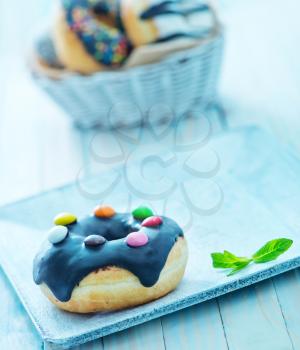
40	150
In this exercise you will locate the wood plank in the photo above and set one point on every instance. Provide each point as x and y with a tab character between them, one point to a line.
60	152
16	330
147	336
19	152
19	177
287	287
27	117
253	320
197	327
94	345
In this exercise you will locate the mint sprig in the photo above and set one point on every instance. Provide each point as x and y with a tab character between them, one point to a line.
271	250
268	252
227	260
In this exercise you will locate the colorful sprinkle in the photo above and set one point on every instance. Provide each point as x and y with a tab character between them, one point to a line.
152	221
137	239
142	213
64	219
94	240
57	234
104	211
107	44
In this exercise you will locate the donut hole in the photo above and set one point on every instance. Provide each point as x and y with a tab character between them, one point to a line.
111	229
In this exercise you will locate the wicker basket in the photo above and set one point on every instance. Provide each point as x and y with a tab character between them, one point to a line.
123	98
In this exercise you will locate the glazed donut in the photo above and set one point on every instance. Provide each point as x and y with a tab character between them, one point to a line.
88	36
109	261
149	21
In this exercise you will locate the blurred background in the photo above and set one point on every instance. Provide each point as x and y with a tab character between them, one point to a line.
260	83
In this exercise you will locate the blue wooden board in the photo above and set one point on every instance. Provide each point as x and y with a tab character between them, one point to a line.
252	173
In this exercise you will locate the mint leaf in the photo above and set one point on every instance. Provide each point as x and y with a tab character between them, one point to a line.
235	258
239	267
227	260
271	250
219	261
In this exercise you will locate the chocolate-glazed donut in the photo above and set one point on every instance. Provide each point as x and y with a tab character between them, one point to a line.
151	21
108	261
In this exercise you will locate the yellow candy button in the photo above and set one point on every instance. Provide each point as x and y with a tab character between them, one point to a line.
64	219
104	211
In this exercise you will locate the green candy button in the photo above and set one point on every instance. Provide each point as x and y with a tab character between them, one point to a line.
142	213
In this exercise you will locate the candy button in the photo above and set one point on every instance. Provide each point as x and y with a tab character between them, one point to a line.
152	221
94	240
137	239
142	213
64	219
104	211
57	234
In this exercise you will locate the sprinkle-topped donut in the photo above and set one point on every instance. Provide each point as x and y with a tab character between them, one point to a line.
101	241
106	43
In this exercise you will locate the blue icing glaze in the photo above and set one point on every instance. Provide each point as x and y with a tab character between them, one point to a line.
62	266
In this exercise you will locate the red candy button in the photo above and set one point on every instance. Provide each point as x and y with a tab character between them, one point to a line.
152	221
137	239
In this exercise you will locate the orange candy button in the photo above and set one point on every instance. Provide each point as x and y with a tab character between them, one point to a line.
104	211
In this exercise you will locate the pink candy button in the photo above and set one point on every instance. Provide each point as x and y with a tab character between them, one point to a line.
152	221
137	239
